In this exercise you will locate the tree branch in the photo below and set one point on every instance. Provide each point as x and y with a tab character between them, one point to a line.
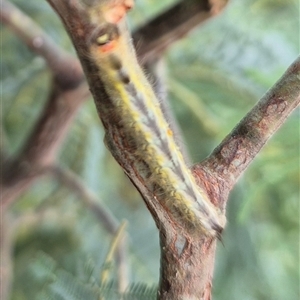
229	160
180	247
158	34
185	256
90	200
41	147
67	94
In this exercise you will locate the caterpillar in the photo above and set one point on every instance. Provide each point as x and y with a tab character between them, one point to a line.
149	136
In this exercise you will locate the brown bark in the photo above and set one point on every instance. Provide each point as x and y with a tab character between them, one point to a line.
229	160
187	274
187	261
170	26
68	93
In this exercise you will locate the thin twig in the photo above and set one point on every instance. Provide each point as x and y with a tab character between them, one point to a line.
103	215
115	244
6	252
73	182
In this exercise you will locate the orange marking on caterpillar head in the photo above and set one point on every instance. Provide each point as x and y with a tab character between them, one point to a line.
108	47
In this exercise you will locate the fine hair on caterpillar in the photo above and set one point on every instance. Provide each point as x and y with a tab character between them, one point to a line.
137	45
146	134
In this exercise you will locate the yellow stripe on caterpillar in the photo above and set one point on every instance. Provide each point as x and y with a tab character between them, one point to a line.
142	120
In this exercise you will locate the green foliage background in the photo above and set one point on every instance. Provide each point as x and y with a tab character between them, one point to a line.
215	75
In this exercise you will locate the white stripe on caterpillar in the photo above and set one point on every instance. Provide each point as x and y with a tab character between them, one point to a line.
152	141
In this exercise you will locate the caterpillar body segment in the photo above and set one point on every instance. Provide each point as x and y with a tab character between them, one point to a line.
148	133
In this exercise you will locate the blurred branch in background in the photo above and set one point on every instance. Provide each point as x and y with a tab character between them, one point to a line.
68	92
40	149
102	214
104	217
194	103
65	67
91	201
107	265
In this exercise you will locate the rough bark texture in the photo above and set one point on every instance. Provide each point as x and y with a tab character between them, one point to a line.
187	261
239	148
69	91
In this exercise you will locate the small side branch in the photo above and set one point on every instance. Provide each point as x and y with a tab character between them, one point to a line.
228	161
90	200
